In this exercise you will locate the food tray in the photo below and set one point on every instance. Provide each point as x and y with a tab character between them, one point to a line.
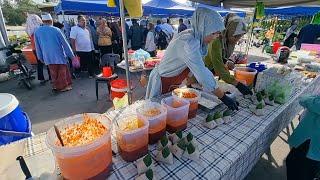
208	101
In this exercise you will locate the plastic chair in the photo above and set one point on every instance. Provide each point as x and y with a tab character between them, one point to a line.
107	60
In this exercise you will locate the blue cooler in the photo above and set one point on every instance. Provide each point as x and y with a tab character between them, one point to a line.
14	124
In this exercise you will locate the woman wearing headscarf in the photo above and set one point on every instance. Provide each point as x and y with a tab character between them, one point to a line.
185	53
33	23
290	34
104	37
220	49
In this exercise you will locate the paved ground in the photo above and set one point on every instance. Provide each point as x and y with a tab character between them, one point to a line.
46	108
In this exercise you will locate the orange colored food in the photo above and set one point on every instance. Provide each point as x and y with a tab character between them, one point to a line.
176	104
87	165
133	145
86	132
193	108
152	112
186	94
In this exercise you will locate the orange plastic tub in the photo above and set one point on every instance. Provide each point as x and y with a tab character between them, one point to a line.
29	55
85	161
132	144
245	75
192	96
157	122
177	113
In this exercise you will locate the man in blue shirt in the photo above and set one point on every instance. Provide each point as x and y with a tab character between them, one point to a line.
53	49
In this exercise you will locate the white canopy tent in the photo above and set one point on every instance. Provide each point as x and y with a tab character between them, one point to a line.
252	3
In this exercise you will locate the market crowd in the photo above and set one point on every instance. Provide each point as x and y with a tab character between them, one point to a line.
60	46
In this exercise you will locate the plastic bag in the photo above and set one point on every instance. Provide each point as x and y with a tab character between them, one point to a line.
138	54
76	62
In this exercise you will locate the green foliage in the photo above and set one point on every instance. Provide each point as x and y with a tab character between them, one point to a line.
189	137
15	14
165	152
209	118
164	141
147	160
149	174
190	148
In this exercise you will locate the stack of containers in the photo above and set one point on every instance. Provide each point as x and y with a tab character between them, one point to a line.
157	123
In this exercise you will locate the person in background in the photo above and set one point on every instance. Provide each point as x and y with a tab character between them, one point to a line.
33	23
116	39
144	29
104	38
82	45
303	161
217	59
290	34
187	23
150	45
158	26
93	32
136	35
182	26
167	28
308	34
52	49
185	54
60	26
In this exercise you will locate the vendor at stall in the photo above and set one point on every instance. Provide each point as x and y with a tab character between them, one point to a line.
220	50
184	55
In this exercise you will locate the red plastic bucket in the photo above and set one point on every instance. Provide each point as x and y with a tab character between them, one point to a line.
276	46
106	71
118	88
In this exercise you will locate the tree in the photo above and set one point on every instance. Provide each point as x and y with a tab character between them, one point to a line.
15	14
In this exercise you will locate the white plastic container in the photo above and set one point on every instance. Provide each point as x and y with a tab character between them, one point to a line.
177	117
193	101
157	124
132	144
86	161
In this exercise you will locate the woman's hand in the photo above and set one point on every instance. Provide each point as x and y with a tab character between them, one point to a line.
245	90
229	102
230	65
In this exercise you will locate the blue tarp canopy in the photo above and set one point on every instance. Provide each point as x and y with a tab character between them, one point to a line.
155	7
88	7
167	8
293	10
223	12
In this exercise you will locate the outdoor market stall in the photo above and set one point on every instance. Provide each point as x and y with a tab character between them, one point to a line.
228	151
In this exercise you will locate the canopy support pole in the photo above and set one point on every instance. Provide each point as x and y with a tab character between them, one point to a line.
125	49
63	18
251	33
3	29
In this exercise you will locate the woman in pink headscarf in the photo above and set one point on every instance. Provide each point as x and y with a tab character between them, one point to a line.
33	22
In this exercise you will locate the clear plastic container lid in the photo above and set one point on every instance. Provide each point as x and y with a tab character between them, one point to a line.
151	111
185	92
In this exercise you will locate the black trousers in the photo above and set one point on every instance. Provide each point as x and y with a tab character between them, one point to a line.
299	167
86	62
40	68
105	50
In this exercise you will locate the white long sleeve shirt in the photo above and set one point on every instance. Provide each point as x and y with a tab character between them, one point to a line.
150	45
